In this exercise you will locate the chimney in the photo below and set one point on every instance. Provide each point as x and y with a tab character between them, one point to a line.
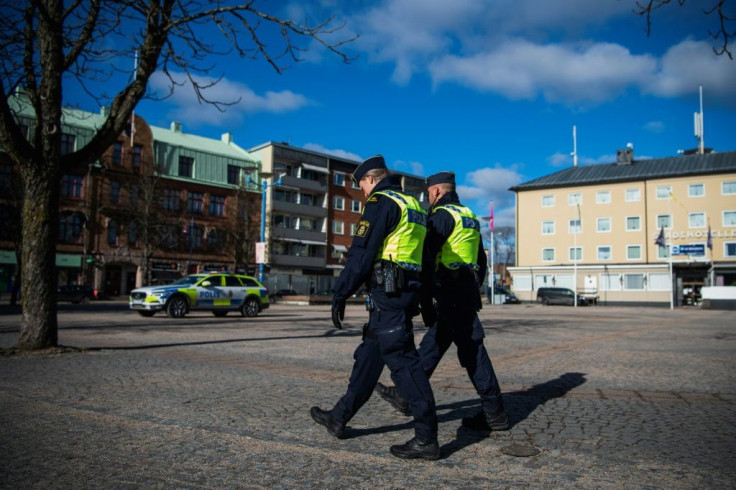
625	156
227	138
176	126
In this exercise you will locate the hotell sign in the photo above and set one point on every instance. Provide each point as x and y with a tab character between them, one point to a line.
698	249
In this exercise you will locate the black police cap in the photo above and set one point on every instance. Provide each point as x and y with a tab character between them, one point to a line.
371	164
441	178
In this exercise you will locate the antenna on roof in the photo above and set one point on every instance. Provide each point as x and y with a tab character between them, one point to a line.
699	125
574	146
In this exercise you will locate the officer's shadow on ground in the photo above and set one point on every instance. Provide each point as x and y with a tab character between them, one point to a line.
518	405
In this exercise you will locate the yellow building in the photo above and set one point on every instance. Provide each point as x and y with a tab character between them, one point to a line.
593	229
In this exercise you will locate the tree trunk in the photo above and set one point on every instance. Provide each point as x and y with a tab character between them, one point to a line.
38	327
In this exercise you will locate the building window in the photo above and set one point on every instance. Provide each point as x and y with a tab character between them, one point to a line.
197	232
729	249
574	226
633	252
604	252
70	228
284	196
338	227
548	227
663	252
664	221
696	190
233	175
112	233
634	282
311	200
134	195
603	197
282	169
186	167
574	199
576	254
195	202
610	282
728	188
603	225
67	143
338	203
354	185
280	221
633	195
355	206
353	227
663	192
659	281
217	206
633	223
548	201
72	186
309	224
133	233
214	240
729	218
137	156
171	199
117	153
115	192
338	179
548	255
696	220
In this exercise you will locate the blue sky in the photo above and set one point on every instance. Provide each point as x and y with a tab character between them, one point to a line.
488	89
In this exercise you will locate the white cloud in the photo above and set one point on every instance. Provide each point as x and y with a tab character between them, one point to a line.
505	47
335	152
489	184
573	74
187	109
412	167
559	160
689	64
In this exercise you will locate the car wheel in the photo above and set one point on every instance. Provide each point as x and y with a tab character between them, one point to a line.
250	307
176	307
146	313
219	313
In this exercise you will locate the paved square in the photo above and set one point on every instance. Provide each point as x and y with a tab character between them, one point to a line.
612	397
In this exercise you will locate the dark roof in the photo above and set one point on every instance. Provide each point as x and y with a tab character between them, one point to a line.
656	168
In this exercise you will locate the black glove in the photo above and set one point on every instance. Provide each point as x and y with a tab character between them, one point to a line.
429	313
338	312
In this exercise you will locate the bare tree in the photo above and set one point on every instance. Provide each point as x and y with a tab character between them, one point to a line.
720	8
47	44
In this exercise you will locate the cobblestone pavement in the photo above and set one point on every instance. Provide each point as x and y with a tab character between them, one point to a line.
612	397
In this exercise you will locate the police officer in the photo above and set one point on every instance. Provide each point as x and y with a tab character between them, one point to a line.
386	253
454	266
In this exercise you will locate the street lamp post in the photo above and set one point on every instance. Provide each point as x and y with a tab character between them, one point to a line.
264	189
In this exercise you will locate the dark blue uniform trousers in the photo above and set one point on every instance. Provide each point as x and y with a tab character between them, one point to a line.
458	322
389	341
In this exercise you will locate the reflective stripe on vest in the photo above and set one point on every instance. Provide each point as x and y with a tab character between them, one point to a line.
404	244
461	247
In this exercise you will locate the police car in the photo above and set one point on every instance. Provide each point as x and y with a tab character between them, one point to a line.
219	293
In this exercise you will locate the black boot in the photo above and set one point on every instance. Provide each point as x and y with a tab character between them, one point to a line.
487	422
391	395
415	449
324	417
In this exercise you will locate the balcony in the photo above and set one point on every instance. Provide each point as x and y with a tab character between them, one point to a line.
298	261
299	235
300	209
312	185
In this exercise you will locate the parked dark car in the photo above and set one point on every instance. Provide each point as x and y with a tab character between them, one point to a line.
283	292
559	296
75	294
509	298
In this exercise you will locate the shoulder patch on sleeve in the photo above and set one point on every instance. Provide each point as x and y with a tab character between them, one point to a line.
362	228
372	199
